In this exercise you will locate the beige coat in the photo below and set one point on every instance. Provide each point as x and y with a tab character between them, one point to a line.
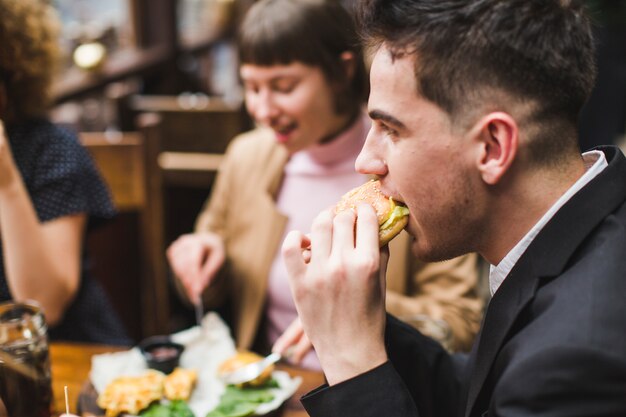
242	210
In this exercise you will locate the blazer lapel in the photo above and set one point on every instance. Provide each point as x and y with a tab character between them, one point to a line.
547	256
512	296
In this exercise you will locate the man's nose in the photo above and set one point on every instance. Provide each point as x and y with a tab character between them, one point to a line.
371	159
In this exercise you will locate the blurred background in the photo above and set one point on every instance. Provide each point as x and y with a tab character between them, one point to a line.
158	47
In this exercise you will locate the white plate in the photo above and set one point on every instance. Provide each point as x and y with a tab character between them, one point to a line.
206	348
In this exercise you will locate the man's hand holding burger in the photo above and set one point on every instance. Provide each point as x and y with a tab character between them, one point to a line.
392	216
195	259
340	292
349	268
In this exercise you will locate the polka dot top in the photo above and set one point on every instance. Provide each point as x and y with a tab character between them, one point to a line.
58	172
62	180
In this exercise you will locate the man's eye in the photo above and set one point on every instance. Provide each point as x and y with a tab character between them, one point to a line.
388	130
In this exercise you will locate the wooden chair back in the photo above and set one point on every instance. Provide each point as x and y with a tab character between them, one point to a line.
128	163
119	157
194	133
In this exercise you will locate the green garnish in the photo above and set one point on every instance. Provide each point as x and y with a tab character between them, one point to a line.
241	402
398	213
233	410
176	408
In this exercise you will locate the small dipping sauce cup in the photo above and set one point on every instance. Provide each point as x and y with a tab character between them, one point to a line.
161	353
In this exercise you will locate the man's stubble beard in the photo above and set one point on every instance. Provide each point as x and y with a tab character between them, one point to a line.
457	231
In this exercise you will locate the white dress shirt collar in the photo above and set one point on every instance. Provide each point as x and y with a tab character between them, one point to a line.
595	162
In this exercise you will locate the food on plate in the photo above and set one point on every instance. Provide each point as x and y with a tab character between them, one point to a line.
243	358
239	402
131	394
176	408
392	216
179	384
243	399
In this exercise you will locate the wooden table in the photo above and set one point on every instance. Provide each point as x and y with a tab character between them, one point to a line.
71	363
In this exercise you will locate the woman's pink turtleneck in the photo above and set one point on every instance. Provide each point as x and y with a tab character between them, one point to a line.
314	180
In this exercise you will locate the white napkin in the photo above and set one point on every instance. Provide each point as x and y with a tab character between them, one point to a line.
206	347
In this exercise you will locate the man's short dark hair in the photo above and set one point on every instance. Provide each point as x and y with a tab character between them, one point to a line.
538	51
314	32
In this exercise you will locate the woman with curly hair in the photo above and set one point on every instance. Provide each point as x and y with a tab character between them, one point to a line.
50	191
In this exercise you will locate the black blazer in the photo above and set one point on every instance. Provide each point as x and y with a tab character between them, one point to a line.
553	341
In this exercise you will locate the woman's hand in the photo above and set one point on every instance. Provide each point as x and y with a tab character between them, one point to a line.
195	259
340	292
293	344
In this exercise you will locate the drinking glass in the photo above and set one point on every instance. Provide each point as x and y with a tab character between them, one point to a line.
25	382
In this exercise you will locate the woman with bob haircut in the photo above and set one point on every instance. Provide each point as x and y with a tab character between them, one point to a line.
305	86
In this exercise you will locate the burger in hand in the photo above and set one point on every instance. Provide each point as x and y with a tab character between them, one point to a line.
392	216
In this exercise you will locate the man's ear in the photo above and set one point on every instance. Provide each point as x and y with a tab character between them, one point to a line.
497	135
